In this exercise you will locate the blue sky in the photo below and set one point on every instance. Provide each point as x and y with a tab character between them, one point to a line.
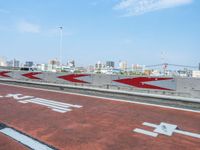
139	31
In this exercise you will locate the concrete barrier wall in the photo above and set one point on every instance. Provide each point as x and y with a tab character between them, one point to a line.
188	87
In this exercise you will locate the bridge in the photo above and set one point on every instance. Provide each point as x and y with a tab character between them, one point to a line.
85	111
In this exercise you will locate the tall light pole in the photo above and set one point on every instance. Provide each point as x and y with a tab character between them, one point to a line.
61	38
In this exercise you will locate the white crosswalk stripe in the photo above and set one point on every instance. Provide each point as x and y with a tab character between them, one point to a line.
53	106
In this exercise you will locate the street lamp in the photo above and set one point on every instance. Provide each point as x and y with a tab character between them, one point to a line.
61	37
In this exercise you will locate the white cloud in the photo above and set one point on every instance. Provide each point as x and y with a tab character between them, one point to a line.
138	7
25	26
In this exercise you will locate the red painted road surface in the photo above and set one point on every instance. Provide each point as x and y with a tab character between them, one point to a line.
99	124
8	144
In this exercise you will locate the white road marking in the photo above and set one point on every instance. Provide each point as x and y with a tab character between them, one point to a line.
169	129
165	129
17	96
58	110
105	98
23	102
21	138
48	105
45	104
188	133
150	124
54	105
57	103
153	134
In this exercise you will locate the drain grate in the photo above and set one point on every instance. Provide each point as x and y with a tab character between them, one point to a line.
2	126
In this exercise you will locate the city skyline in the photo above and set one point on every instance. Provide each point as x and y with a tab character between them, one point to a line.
102	30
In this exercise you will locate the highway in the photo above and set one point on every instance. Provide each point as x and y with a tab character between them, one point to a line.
68	121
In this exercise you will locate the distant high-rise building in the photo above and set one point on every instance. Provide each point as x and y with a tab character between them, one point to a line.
16	63
54	62
2	61
28	64
110	64
13	63
199	66
123	65
9	63
42	67
71	63
137	68
196	73
53	65
99	65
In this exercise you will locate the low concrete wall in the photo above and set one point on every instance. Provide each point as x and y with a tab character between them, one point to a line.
185	87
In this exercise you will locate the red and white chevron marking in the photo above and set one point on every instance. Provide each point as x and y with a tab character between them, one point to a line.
154	83
5	74
75	78
148	83
32	75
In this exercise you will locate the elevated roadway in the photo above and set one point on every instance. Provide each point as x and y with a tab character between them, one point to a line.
73	121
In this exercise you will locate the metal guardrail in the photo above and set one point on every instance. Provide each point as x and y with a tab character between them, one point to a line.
106	89
188	90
